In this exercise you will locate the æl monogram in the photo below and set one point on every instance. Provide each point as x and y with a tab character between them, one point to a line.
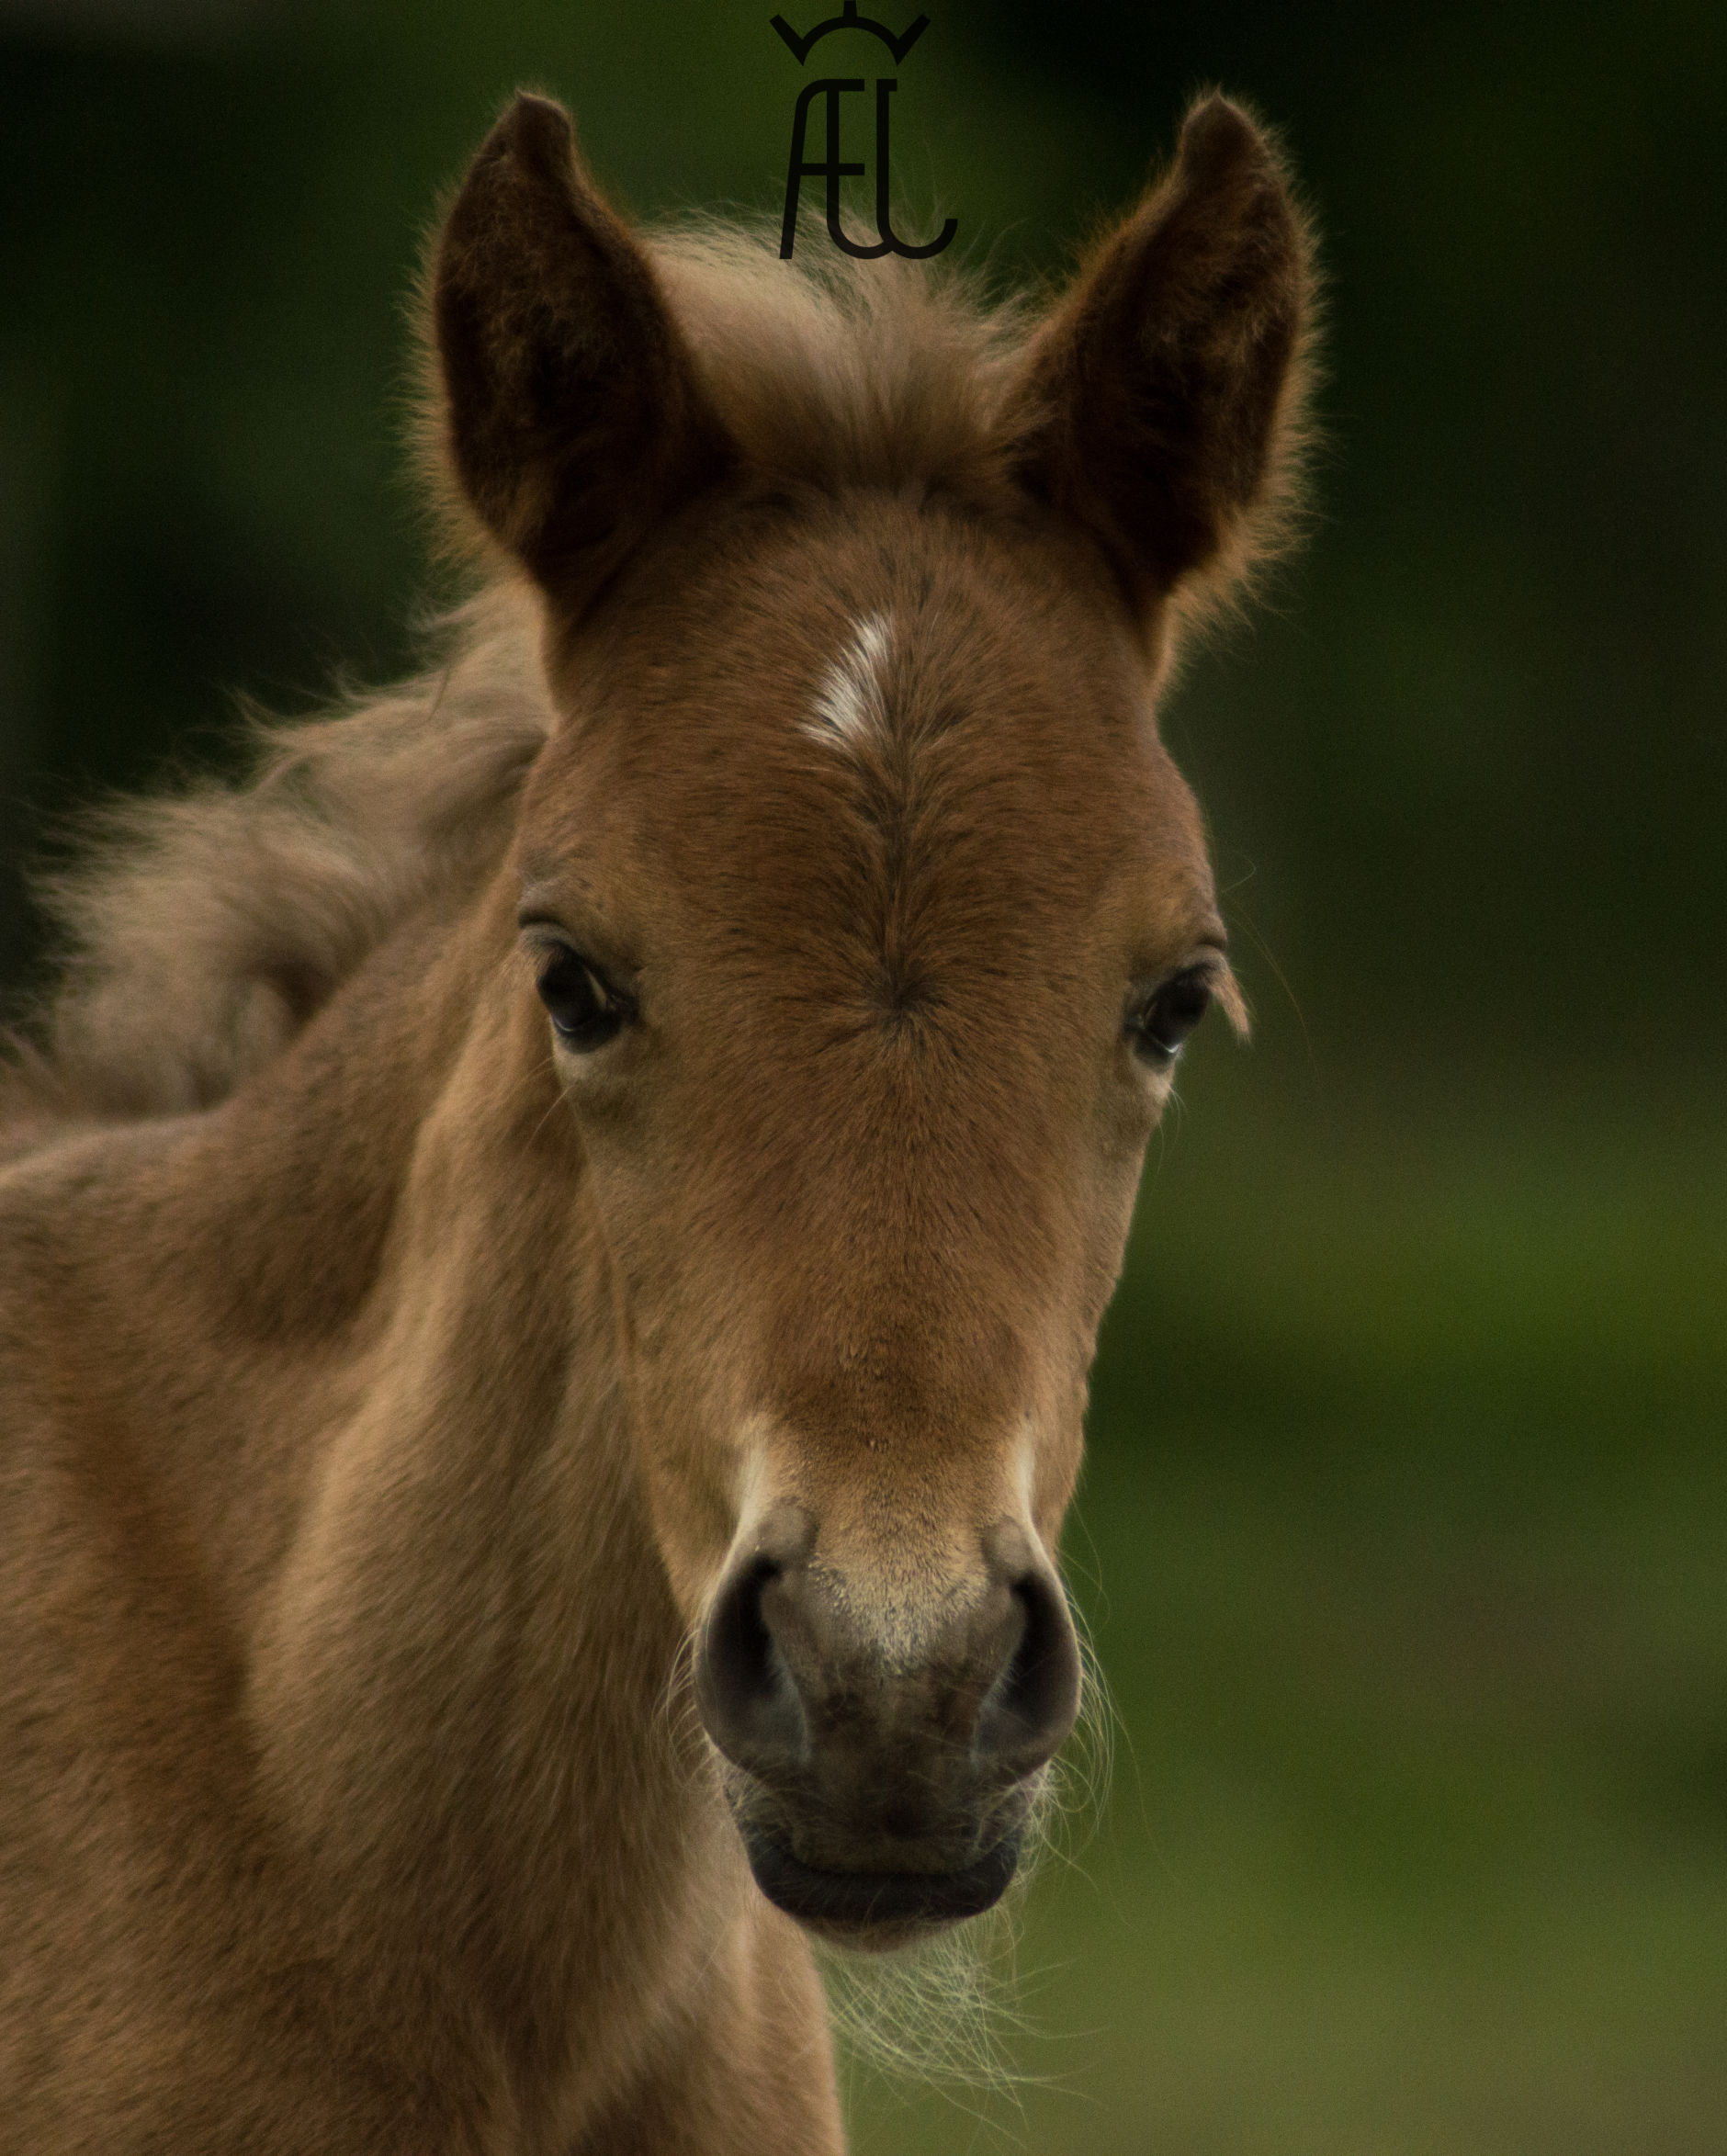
833	168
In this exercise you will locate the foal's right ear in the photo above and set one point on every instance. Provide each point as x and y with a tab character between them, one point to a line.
574	419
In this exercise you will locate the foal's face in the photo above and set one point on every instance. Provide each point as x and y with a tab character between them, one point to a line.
869	916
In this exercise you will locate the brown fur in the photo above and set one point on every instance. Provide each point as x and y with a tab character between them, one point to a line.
390	1398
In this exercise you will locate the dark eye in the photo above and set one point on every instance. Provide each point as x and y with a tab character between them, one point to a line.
586	1009
1168	1016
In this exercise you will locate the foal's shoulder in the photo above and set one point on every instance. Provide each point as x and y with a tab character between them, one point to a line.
56	1171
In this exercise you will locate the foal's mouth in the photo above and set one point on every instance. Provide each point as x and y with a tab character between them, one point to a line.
852	1906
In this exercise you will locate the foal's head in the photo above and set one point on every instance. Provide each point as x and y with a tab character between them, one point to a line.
869	918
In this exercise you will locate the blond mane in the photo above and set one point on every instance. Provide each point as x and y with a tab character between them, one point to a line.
839	373
198	932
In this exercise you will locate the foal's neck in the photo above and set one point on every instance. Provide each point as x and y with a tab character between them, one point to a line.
468	1622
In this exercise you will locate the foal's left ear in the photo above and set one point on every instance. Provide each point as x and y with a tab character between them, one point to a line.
573	419
1160	406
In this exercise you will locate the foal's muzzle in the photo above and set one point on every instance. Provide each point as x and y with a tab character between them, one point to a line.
870	1901
886	1769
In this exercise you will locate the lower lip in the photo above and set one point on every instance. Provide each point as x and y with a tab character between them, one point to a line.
874	1901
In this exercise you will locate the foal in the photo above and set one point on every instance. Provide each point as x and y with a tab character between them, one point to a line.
553	1244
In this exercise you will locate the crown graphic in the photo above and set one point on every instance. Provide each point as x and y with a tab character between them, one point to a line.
849	19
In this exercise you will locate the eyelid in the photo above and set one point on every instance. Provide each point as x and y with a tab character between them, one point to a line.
543	933
1207	965
1211	964
612	995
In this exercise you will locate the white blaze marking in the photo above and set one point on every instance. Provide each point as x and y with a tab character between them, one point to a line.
1027	1464
851	700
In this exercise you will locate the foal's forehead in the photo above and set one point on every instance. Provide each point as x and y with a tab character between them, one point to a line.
877	711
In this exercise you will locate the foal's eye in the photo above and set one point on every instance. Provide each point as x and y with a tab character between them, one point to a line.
1159	1025
586	1009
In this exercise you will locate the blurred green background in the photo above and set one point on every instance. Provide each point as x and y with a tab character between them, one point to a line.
1404	1539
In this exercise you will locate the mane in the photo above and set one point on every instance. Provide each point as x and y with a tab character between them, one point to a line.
837	373
197	933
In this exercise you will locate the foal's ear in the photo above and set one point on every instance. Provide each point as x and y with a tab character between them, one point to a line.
1162	401
573	417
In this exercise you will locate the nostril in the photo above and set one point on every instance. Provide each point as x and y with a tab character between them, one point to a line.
1035	1700
748	1702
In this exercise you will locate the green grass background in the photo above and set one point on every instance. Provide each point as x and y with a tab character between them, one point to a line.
1403	1539
1401	1545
